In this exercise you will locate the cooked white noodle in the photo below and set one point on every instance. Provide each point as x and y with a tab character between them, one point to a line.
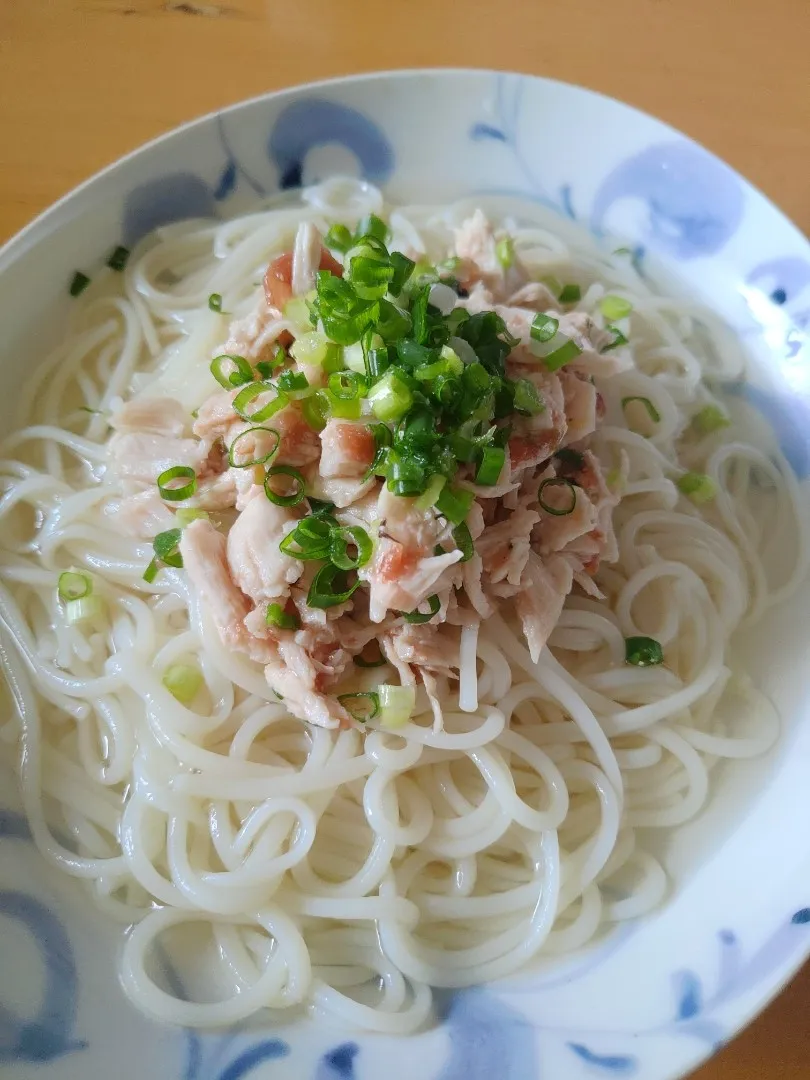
344	872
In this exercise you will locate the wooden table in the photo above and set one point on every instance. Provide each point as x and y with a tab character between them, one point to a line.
84	81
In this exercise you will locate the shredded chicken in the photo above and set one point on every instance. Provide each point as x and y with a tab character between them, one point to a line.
528	550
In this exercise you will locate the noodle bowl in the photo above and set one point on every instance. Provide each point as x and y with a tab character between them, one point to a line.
352	870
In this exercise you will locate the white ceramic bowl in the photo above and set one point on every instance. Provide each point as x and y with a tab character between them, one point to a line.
661	995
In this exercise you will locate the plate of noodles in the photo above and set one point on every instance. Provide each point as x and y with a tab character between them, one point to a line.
402	590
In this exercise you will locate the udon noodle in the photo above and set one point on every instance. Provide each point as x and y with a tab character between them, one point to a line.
344	870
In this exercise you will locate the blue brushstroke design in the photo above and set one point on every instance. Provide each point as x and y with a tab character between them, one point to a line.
338	1063
486	131
227	182
789	417
488	1039
781	279
48	1035
268	1050
689	994
169	198
618	1064
695	202
311	122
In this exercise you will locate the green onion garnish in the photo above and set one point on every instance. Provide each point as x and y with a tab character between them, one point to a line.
231	371
344	538
292	382
277	616
346	385
699	487
361	706
79	283
558	484
183	681
73	585
396	704
88	607
265	368
315	410
248	395
297	493
309	540
615	307
710	418
372	226
454	504
174	493
618	339
570	294
567	352
418	616
167	553
527	397
310	348
505	251
643	651
464	541
403	268
246	449
652	412
338	239
544	327
330	587
362	662
431	493
118	259
215	302
489	469
390	398
185	515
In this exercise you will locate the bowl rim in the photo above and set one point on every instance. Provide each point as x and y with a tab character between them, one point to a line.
41	227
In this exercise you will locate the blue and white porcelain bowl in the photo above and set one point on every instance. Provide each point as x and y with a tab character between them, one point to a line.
656	998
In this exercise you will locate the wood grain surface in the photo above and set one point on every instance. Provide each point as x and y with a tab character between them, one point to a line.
84	81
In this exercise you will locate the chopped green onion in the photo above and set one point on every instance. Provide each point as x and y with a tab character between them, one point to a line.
265	368
615	477
186	514
652	412
340	542
372	226
431	493
347	385
418	616
79	283
370	277
338	239
215	302
558	483
544	327
396	704
248	443
310	348
710	418
309	540
491	464
643	651
403	268
390	398
183	681
297	311
565	354
277	616
151	572
618	339
454	504
355	705
699	487
87	607
315	410
165	546
297	493
527	398
615	307
330	587
362	662
73	585
248	395
292	382
240	370
341	408
464	541
174	493
570	294
505	251
118	259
